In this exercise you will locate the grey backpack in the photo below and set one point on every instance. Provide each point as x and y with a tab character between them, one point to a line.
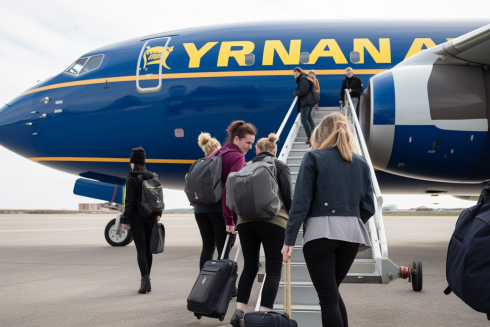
253	192
203	183
151	201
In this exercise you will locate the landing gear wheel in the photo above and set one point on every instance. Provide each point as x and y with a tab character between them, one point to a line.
222	317
114	239
417	276
198	316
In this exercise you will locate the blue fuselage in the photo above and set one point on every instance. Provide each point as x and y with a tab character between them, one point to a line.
93	120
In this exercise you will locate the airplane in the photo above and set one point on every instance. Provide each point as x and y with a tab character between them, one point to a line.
424	114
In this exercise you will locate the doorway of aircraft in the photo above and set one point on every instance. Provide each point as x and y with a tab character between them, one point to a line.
152	64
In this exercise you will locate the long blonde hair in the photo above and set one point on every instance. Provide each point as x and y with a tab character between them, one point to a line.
208	144
268	144
333	132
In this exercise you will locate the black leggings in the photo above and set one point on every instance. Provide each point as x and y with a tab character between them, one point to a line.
328	263
213	233
141	231
252	234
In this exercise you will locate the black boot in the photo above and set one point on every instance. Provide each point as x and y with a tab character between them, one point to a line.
145	285
237	319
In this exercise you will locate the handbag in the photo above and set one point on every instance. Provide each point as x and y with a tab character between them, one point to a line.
157	241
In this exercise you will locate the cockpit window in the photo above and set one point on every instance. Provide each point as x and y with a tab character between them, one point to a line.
77	66
92	64
85	65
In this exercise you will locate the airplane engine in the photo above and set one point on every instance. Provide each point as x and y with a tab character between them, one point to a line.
429	121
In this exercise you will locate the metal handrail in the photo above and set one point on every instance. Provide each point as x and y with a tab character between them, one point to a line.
378	216
278	134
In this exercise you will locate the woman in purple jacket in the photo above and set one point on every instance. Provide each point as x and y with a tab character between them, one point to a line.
215	221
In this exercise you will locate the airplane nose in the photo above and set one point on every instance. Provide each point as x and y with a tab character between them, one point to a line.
15	134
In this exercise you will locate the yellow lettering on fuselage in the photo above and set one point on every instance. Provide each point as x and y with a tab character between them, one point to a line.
383	56
288	58
333	51
196	55
225	52
418	44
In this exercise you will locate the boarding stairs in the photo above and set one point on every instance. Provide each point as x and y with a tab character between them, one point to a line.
370	266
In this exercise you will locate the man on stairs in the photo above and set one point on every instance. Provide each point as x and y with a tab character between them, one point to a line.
353	84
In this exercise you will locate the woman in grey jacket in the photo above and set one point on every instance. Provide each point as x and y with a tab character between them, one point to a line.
334	197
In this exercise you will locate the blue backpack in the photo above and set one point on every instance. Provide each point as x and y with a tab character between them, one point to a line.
468	256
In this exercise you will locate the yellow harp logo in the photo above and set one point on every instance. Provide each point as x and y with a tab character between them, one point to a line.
152	56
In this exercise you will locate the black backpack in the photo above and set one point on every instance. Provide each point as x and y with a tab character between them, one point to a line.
203	183
151	202
468	256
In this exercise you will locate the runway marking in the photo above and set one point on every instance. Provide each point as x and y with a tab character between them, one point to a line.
199	75
71	229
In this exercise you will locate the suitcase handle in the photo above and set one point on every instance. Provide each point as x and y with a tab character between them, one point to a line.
287	288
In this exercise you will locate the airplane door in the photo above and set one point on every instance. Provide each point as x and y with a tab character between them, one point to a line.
151	62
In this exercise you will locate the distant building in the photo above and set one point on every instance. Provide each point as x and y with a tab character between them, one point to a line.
389	207
423	208
91	207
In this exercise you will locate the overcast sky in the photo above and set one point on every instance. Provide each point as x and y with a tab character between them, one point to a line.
40	39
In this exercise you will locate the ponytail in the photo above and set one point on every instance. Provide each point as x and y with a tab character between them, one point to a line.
268	144
241	129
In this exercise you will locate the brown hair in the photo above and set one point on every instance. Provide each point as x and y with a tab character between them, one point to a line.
333	132
208	144
241	129
268	144
138	167
299	70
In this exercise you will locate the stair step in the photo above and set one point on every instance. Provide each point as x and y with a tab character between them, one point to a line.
295	160
300	145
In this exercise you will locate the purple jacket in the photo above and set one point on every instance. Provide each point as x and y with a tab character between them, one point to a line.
233	161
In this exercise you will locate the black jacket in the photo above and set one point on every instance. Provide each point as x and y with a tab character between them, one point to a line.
327	185
283	178
132	196
303	91
353	83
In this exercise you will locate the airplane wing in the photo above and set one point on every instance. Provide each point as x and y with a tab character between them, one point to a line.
473	47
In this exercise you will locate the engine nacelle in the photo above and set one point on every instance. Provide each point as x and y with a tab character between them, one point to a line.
429	121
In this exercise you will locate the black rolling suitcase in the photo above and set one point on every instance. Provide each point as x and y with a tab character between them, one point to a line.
211	294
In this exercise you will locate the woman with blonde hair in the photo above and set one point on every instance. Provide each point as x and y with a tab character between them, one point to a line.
269	233
208	144
334	197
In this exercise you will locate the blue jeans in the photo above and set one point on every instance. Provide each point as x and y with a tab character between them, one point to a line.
307	120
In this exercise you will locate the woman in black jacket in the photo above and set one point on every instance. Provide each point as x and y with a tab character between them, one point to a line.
269	233
305	101
132	219
334	197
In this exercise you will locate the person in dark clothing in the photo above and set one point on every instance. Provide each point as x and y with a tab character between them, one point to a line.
334	199
210	218
305	101
132	218
354	85
269	233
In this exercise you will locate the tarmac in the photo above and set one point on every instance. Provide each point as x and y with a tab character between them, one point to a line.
58	270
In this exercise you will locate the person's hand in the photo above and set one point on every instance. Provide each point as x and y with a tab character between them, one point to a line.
126	226
286	252
340	102
230	229
350	90
158	219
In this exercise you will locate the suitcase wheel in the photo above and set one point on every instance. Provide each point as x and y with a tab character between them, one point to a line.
198	316
222	317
